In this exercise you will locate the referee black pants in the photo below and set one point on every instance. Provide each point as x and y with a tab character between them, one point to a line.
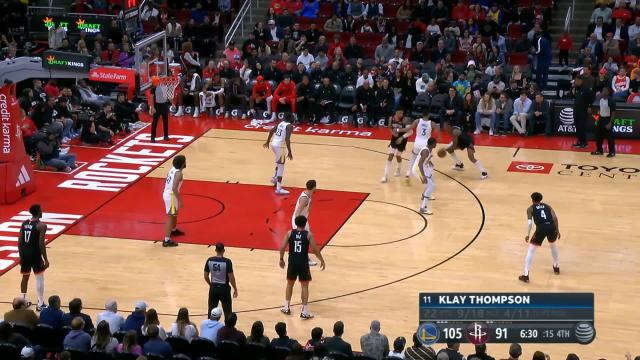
222	294
162	109
602	132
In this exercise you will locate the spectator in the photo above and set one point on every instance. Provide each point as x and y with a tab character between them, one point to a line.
93	130
233	54
605	124
183	327
565	44
257	334
356	9
515	351
111	55
452	351
52	315
305	58
189	58
88	96
620	85
102	341
452	109
504	109
540	112
285	93
51	89
229	331
462	85
419	351
335	344
612	46
315	341
274	33
602	11
620	12
481	353
439	53
486	108
440	13
521	115
348	76
620	31
173	29
634	97
261	94
21	314
7	335
326	99
50	154
209	327
285	20
634	32
130	344
333	24
398	348
353	50
75	310
310	9
151	318
374	344
365	103
77	339
495	87
374	9
305	99
155	345
384	52
136	319
235	95
422	82
108	120
111	316
282	341
543	61
405	11
434	29
469	109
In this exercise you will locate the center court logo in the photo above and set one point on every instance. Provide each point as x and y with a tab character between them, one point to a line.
567	123
530	167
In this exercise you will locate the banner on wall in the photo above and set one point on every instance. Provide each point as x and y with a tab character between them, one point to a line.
60	60
625	123
115	75
72	24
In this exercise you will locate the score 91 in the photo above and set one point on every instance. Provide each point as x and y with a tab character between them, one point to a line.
501	333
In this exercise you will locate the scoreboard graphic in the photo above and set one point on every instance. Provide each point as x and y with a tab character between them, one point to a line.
480	318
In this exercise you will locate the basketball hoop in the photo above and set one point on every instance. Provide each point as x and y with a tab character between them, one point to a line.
168	86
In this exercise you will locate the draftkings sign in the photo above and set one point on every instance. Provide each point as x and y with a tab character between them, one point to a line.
625	123
59	60
72	24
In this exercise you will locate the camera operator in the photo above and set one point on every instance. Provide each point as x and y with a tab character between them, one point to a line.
93	132
126	113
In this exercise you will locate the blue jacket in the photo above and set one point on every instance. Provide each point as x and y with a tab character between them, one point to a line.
543	50
52	317
157	346
77	340
134	322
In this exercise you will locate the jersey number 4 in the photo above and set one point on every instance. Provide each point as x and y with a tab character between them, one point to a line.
297	246
543	215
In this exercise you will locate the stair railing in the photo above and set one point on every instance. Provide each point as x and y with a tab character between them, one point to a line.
568	18
239	22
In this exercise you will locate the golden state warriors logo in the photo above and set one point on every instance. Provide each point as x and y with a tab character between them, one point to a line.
428	333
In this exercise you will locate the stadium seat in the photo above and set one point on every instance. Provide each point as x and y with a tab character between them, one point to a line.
514	31
78	355
180	357
151	356
421	103
362	357
125	356
179	345
202	347
99	355
338	356
402	26
326	9
256	351
347	97
228	350
24	331
279	353
517	58
9	352
47	337
459	57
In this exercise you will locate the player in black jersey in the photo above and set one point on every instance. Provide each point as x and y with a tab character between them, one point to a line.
33	253
546	227
401	128
299	240
462	141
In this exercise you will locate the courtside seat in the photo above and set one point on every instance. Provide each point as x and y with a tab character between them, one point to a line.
125	356
280	353
347	98
151	356
256	351
228	350
179	345
99	355
203	347
9	352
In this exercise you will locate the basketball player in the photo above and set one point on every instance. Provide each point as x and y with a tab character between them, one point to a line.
303	205
299	240
463	141
399	137
33	254
546	227
423	127
280	136
159	107
425	172
173	199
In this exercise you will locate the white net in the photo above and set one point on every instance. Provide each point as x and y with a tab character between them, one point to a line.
168	86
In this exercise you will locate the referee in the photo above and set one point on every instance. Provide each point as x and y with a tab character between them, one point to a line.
218	274
159	107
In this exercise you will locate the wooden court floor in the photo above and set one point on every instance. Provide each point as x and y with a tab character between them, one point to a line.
382	257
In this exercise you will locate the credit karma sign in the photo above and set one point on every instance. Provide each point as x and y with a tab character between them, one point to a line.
59	60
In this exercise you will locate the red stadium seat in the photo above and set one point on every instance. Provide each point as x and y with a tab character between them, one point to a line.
517	58
402	26
326	9
390	10
459	57
525	3
546	3
365	39
514	31
184	16
369	52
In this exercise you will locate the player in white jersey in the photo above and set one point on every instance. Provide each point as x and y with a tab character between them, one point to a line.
173	199
425	173
279	137
303	206
423	128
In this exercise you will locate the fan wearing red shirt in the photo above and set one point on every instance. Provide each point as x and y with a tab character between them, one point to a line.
295	7
285	94
278	6
260	93
335	44
209	71
621	13
282	63
111	54
565	43
461	12
51	89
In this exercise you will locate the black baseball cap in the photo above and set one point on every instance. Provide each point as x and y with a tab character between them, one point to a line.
219	246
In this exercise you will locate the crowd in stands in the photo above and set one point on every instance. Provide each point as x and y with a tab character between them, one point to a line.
140	335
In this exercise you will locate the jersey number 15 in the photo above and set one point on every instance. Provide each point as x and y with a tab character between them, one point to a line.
297	246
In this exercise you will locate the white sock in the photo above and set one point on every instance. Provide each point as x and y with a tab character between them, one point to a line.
387	165
167	238
478	164
40	288
555	254
455	157
286	304
278	185
426	194
305	309
399	166
529	260
412	161
23	296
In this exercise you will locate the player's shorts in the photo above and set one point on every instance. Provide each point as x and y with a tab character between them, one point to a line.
397	149
299	271
418	146
542	232
31	262
465	141
170	204
428	172
293	224
280	153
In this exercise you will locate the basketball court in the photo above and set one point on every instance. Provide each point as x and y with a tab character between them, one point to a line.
380	251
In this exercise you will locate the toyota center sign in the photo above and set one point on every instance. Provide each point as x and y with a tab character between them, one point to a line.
625	123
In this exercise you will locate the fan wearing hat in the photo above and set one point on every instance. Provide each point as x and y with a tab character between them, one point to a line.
218	274
274	33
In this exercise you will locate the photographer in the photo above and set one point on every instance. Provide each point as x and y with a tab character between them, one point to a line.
126	113
93	132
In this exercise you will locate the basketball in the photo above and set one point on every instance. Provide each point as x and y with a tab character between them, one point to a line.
442	153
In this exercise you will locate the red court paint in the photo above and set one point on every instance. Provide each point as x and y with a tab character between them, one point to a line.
240	215
530	167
